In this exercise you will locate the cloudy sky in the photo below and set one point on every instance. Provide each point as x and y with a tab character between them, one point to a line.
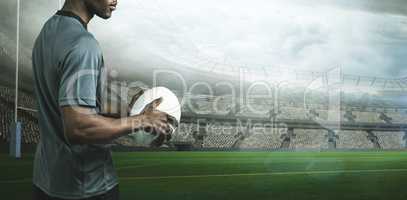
364	37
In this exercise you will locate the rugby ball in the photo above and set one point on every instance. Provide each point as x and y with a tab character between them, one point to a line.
169	105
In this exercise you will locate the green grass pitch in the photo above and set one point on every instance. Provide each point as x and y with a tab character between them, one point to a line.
241	175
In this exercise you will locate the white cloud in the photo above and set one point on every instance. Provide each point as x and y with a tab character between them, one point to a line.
259	33
364	37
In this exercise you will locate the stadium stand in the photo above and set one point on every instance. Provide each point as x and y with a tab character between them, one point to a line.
320	115
353	140
6	112
293	113
349	116
220	136
292	106
398	116
184	133
262	138
254	111
309	139
405	139
390	140
372	137
30	129
221	141
370	117
386	119
6	117
223	136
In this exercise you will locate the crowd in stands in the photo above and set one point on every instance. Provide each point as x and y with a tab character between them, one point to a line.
353	140
288	111
270	139
300	139
391	140
184	132
6	118
222	141
309	139
28	119
30	129
225	137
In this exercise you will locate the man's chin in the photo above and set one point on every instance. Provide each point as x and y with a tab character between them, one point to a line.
105	15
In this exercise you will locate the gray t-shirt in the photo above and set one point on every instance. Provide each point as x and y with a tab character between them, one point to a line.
67	65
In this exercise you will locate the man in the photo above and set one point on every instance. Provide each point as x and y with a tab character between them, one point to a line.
71	161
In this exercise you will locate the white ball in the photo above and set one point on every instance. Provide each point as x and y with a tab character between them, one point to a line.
169	105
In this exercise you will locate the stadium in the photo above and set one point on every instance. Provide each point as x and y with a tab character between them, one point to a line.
248	130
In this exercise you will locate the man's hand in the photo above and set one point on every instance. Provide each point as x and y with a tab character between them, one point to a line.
156	122
133	100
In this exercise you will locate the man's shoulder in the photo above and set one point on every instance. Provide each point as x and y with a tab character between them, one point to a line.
69	35
81	43
86	41
74	34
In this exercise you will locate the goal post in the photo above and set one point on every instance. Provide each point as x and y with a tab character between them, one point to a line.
15	140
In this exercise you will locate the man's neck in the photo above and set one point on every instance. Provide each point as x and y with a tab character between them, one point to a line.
78	8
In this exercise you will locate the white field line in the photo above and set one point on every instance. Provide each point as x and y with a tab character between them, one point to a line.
268	174
137	166
129	178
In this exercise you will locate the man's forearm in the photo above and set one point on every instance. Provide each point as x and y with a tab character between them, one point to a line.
109	130
98	129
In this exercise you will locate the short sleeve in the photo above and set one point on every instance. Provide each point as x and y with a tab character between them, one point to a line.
80	74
